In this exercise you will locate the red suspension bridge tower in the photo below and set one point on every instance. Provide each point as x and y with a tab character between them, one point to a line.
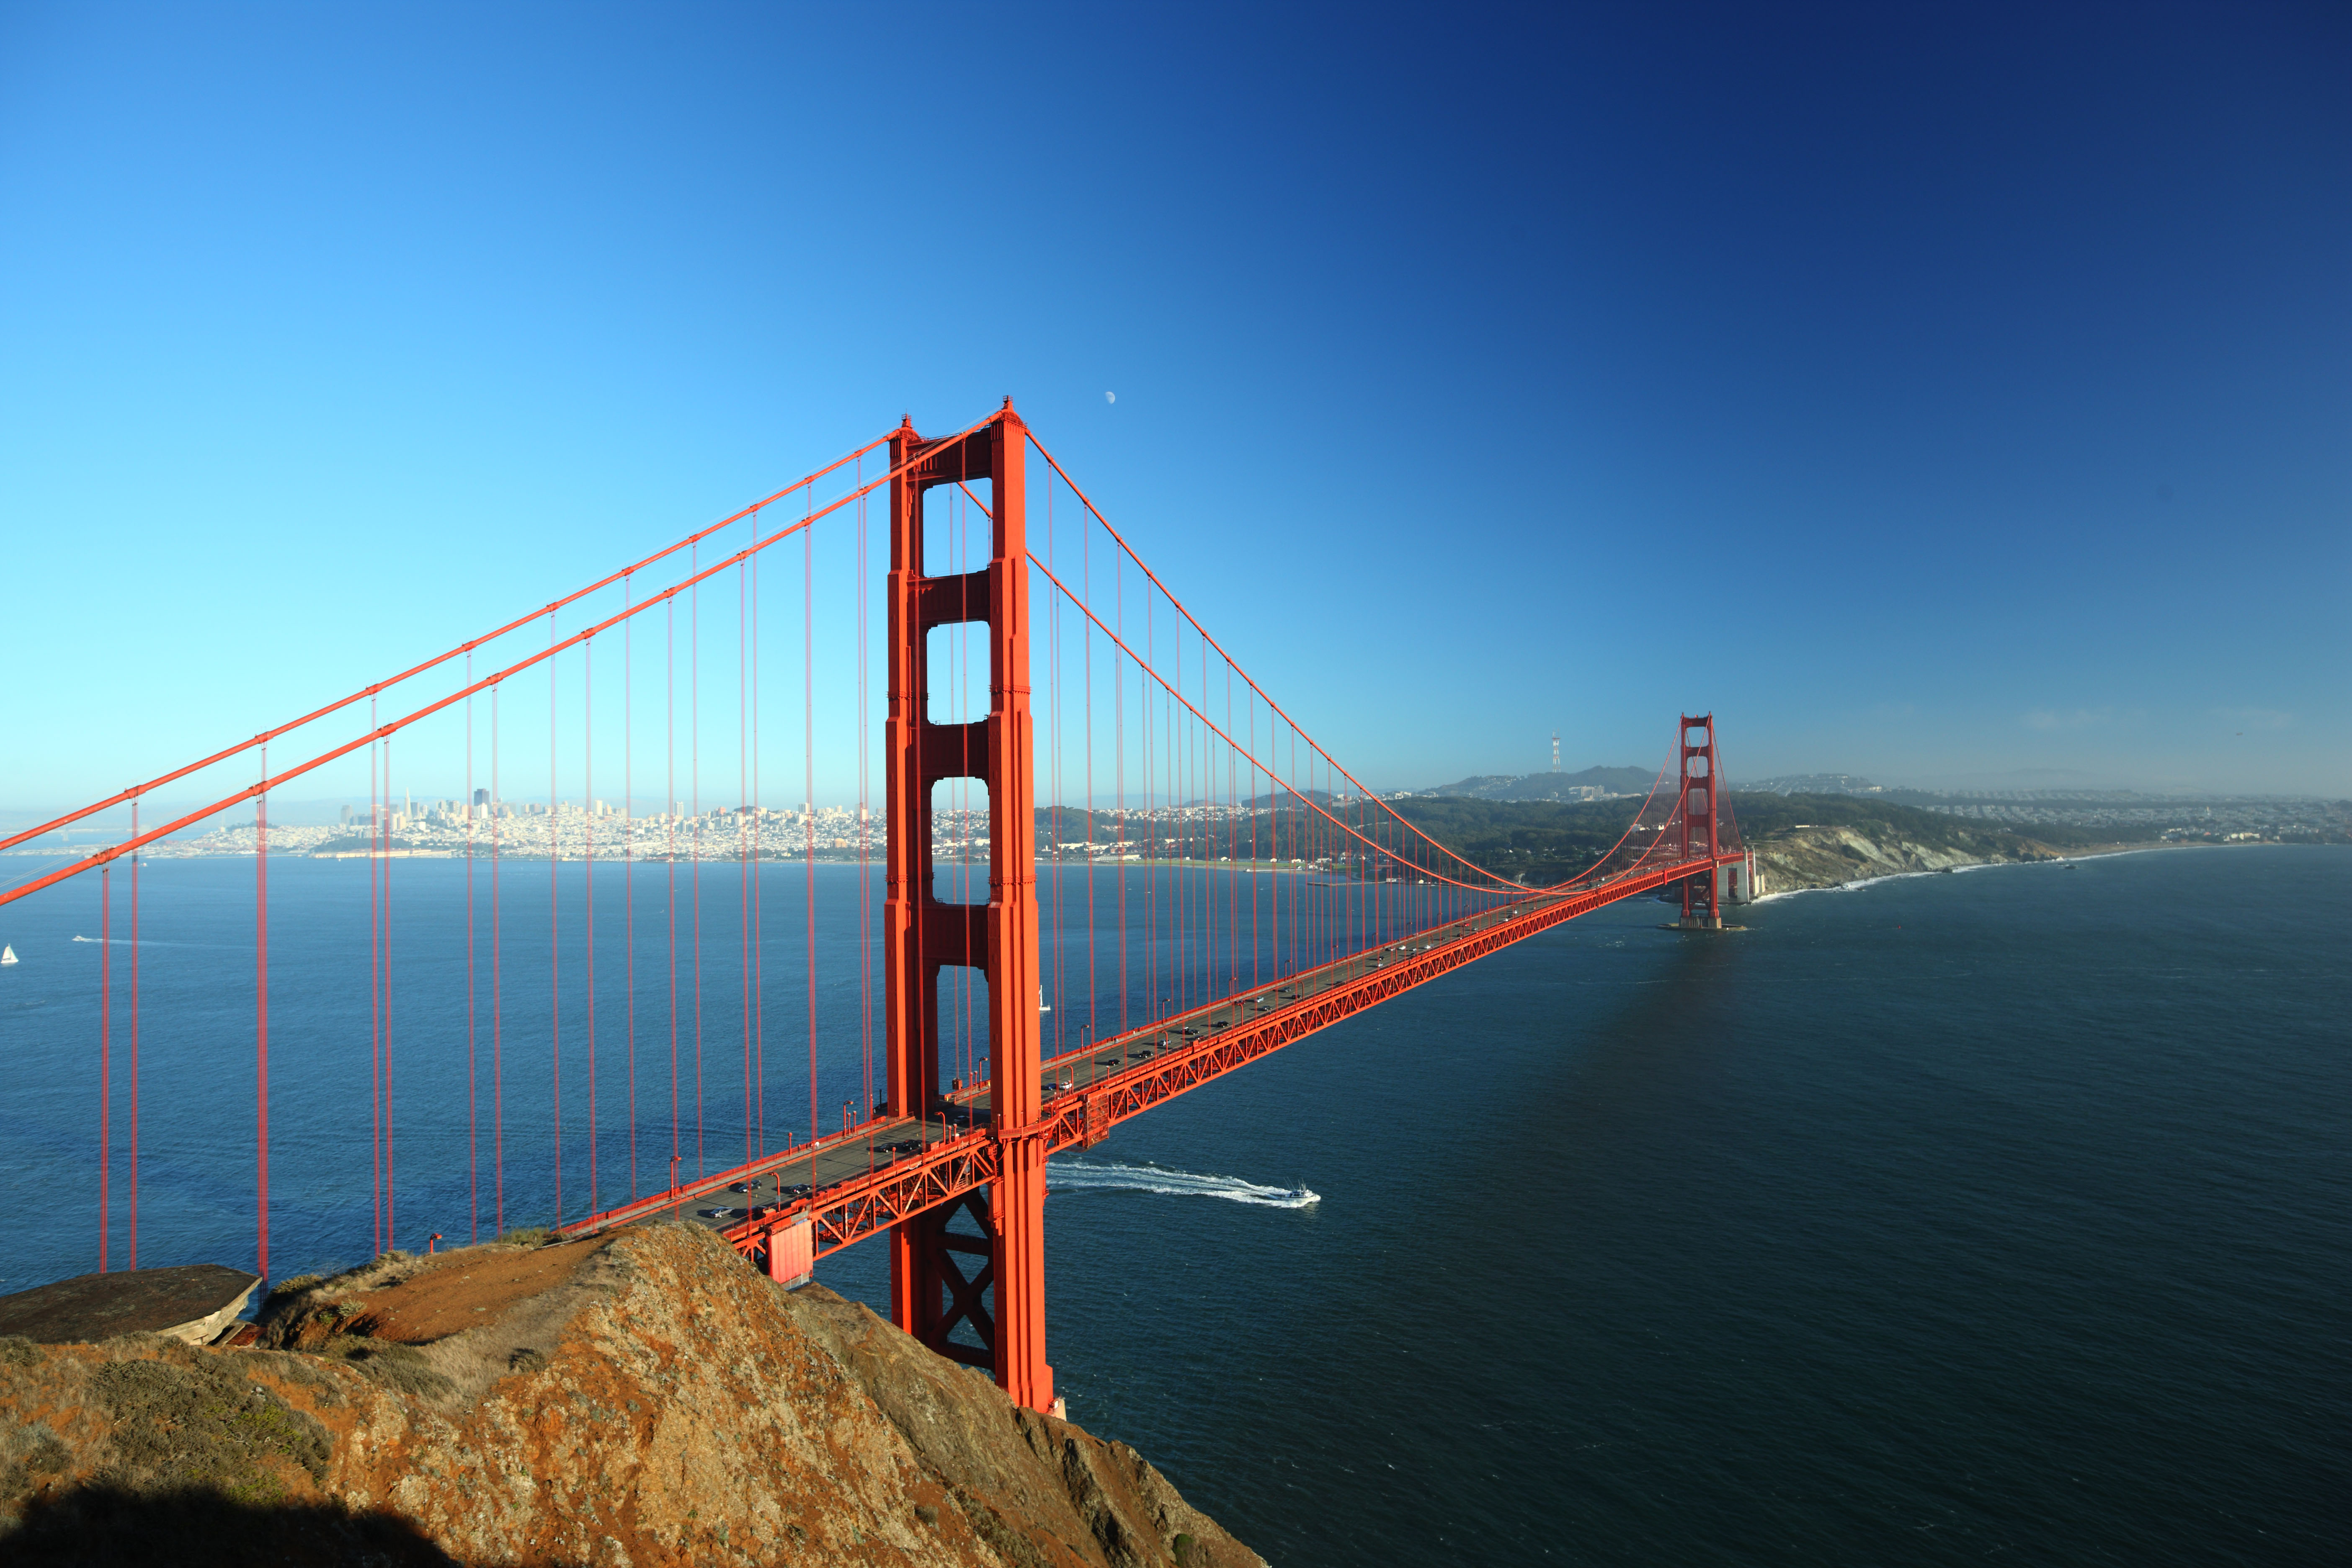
1701	907
932	1291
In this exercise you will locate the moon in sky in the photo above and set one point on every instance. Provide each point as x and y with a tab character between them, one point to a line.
1111	397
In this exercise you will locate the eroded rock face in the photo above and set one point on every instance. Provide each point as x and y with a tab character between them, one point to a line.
1827	856
641	1398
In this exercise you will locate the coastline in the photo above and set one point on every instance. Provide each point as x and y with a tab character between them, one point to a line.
2056	858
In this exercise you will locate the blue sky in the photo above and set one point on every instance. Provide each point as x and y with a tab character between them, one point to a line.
1954	394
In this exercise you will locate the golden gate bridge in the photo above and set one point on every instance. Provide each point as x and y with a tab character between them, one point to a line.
1217	886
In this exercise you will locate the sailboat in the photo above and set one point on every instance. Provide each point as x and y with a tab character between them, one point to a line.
7	955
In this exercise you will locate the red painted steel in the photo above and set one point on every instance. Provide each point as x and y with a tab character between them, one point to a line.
261	1024
1234	1034
105	1066
1700	905
930	1292
791	1248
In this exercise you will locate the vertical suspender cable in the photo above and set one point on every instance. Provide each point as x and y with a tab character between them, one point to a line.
1160	795
808	749
588	871
1175	952
390	1213
669	811
1053	703
1176	965
629	864
694	786
1260	788
1145	735
497	999
1118	768
105	1057
375	982
759	883
554	932
1211	798
473	1138
133	1259
864	874
1087	637
742	848
261	1021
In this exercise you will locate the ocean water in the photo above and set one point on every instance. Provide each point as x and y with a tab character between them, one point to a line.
1998	1215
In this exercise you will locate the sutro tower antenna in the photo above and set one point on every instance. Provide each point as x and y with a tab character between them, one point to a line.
1555	750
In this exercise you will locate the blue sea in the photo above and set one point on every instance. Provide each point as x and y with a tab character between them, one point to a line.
2000	1214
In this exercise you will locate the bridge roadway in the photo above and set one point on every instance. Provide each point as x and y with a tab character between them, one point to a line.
859	1182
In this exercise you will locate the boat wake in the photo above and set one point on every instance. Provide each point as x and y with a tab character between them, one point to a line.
1078	1175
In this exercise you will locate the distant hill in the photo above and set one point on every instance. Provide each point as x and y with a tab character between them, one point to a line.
1541	842
1534	841
1811	783
1289	797
1550	786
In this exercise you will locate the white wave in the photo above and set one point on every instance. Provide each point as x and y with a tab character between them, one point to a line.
1859	883
1856	886
1078	1175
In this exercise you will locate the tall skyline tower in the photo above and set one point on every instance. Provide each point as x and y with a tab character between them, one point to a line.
1555	750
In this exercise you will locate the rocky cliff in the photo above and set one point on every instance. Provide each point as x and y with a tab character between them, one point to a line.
640	1398
1824	855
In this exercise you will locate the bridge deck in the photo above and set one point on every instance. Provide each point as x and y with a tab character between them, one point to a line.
859	1182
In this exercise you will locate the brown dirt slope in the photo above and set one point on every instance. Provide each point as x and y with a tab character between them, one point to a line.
642	1398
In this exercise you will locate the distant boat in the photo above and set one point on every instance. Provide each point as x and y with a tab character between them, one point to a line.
7	955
